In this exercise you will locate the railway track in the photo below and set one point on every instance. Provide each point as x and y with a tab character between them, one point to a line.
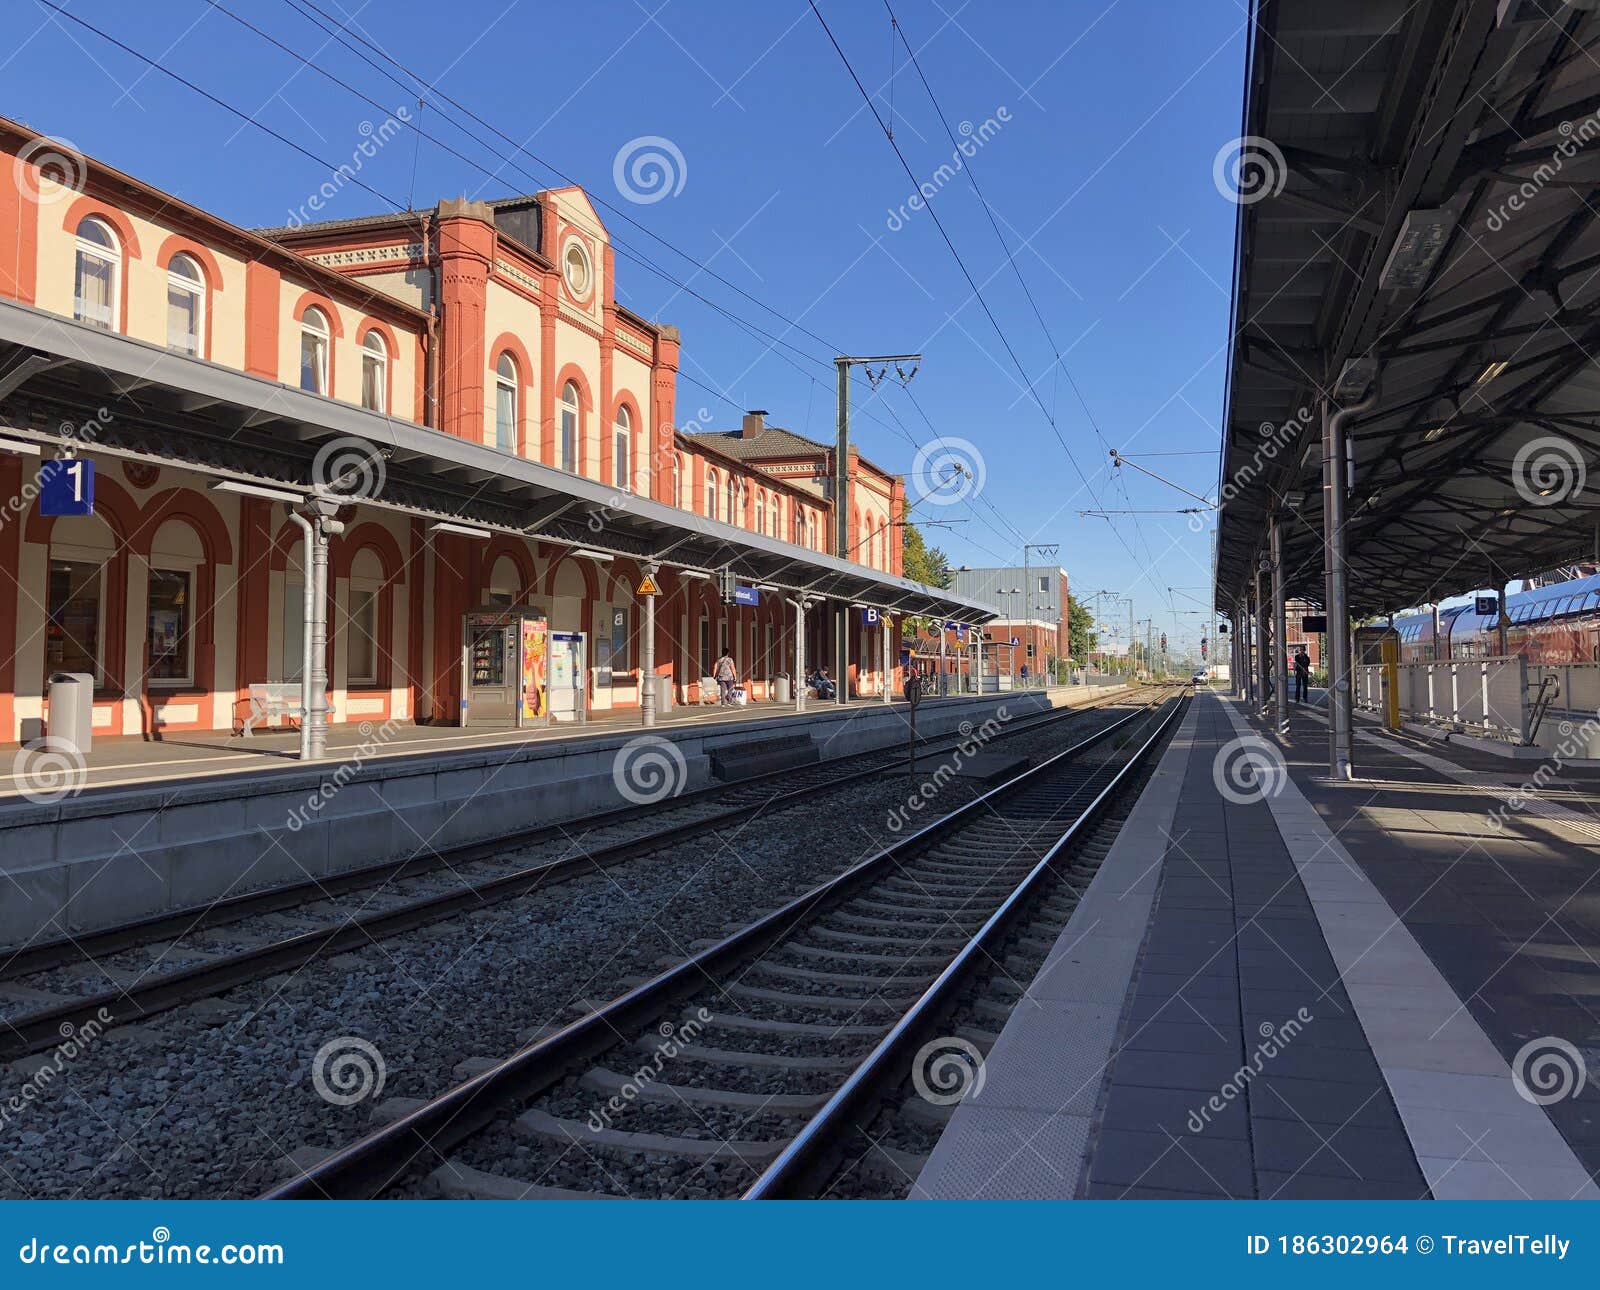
757	1065
286	928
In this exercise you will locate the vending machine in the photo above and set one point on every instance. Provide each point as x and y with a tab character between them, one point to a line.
504	658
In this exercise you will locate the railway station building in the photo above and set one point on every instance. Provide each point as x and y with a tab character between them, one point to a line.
450	409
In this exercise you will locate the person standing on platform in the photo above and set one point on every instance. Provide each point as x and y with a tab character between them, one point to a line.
1302	674
726	672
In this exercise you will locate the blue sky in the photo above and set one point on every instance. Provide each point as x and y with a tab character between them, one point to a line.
1104	122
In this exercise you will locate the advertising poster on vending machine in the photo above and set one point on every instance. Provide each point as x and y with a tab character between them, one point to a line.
534	634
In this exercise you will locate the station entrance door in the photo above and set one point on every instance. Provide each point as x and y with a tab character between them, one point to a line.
504	659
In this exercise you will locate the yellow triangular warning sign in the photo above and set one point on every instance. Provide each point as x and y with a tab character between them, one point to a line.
647	586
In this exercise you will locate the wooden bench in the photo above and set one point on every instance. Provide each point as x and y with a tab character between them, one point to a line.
272	699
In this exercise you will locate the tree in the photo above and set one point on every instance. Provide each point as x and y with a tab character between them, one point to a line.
922	563
1081	637
925	564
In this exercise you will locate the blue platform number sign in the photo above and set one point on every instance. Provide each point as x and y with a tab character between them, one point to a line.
66	487
869	617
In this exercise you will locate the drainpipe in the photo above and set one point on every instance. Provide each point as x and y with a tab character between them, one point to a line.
799	653
1280	656
1335	516
308	601
647	652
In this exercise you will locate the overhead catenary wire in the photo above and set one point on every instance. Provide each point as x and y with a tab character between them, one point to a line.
966	273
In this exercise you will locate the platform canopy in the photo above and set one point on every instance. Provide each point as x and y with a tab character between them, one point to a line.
170	409
1421	188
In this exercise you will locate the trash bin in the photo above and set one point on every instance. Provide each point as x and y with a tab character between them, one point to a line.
780	688
663	695
72	710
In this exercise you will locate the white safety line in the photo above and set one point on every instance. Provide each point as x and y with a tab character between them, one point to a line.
1024	1132
1475	1136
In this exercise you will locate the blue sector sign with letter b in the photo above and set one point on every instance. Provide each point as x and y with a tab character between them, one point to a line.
869	616
66	487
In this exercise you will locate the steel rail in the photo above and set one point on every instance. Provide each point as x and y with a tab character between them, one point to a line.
41	1029
68	951
811	1158
372	1164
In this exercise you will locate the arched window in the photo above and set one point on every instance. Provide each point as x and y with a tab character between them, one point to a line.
677	481
95	285
761	510
186	305
799	527
314	351
374	373
777	516
505	404
567	443
729	514
811	531
711	494
621	453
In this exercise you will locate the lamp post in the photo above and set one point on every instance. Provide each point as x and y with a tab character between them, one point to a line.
1011	614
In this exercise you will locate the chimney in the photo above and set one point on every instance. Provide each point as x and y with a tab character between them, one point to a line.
755	421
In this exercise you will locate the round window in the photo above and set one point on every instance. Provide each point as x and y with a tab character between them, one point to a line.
577	269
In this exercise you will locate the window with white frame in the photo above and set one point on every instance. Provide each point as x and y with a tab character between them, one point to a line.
186	305
95	281
361	659
729	514
567	447
711	494
374	373
314	351
169	615
677	481
294	626
761	510
505	404
621	453
75	628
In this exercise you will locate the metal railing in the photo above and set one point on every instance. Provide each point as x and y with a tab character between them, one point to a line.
1483	695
